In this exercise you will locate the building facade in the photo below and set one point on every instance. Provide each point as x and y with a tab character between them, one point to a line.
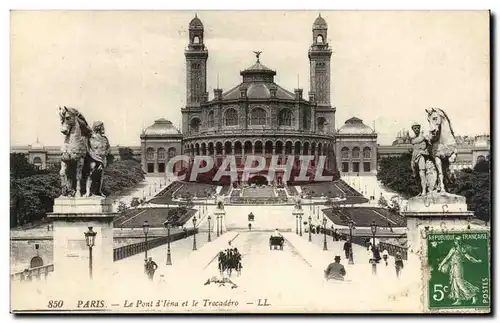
356	147
159	143
258	116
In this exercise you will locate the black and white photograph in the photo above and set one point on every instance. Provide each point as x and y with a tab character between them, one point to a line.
251	162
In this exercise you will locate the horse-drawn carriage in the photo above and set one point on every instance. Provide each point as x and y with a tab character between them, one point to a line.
276	241
251	217
230	260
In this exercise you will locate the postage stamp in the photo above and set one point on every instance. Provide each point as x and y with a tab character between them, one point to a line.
249	161
459	264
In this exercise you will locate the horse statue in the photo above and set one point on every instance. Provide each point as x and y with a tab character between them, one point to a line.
84	153
74	150
443	143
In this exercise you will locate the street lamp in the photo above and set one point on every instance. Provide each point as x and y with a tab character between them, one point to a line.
300	223
194	236
373	227
351	256
218	220
145	228
297	224
310	228
209	236
324	234
90	239
169	257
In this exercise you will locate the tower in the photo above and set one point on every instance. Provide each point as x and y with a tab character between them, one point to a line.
196	65
319	59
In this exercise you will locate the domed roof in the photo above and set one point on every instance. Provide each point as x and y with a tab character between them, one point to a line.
258	91
161	127
37	145
196	23
355	126
320	23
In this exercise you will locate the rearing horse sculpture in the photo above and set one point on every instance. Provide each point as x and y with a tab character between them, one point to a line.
444	145
76	132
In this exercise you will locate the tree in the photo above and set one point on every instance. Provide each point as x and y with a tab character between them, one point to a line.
135	202
32	197
126	153
396	174
122	175
122	207
20	166
475	186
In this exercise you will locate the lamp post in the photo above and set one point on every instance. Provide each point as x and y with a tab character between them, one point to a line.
300	223
373	227
324	234
209	236
297	224
218	220
90	239
169	257
310	228
194	235
145	228
351	227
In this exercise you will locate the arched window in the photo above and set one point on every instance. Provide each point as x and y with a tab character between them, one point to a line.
196	40
150	154
285	117
161	153
37	162
321	124
36	262
258	117
231	117
171	152
355	152
195	125
367	153
210	119
319	39
344	153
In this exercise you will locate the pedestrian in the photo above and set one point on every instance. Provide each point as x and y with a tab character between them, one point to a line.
335	270
249	227
347	249
151	267
385	255
398	263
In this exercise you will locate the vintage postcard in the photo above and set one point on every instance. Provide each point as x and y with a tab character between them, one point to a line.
250	162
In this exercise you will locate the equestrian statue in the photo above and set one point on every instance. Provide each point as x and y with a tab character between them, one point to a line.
84	154
433	152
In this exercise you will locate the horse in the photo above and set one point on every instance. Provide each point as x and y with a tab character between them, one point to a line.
444	144
229	260
74	150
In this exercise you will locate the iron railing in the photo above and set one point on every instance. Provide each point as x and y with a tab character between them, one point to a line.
136	248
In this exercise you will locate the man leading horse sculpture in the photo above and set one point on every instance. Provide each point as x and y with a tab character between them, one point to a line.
84	153
434	152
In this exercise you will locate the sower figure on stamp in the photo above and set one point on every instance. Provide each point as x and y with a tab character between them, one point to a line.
99	149
420	154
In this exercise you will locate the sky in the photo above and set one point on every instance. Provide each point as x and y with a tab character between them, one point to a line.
127	68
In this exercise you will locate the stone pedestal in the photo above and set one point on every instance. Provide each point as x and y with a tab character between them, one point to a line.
434	211
222	214
71	218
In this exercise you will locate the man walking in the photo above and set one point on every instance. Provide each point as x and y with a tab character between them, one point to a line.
347	249
151	267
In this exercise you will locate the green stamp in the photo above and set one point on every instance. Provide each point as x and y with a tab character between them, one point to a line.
459	264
